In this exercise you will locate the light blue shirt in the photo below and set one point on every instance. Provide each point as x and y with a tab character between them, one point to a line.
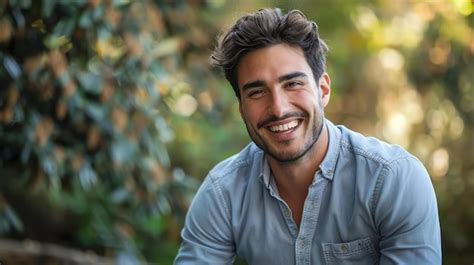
369	203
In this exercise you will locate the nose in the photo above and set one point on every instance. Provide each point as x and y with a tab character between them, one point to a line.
279	104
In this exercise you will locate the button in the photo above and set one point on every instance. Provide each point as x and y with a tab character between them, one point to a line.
344	248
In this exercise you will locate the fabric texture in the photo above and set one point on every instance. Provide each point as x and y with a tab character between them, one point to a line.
369	203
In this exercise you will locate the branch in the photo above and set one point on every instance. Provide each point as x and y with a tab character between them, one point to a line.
34	248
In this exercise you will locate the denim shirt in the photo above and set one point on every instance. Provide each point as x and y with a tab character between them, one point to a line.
369	203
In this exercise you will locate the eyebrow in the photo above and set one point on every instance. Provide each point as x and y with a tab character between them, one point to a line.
259	83
291	76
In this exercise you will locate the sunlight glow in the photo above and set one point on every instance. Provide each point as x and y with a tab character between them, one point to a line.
439	163
391	59
186	105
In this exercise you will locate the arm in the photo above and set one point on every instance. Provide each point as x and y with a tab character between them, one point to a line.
407	215
206	236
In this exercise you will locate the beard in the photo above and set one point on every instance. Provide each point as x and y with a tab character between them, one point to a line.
287	157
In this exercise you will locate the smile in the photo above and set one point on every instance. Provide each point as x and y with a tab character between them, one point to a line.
283	127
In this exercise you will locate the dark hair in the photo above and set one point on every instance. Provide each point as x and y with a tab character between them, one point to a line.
264	28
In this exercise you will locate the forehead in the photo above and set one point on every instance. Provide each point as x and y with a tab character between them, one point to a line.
269	63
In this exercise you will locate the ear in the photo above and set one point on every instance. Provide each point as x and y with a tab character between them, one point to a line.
325	88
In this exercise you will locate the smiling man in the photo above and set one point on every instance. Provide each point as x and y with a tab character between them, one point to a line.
304	191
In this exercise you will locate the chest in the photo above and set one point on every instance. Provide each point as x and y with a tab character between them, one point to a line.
330	229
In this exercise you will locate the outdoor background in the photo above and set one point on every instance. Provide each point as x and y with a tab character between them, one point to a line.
110	115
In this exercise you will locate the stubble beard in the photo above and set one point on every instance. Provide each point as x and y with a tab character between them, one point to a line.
292	157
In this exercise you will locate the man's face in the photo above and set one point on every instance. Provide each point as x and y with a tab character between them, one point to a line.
280	101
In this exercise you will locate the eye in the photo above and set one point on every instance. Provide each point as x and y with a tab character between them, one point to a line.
255	93
294	83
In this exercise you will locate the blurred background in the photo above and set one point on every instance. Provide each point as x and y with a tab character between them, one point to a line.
110	115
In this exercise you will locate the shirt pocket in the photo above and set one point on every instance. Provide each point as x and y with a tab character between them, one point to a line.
355	252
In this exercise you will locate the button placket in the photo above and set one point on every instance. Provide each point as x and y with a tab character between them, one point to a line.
309	221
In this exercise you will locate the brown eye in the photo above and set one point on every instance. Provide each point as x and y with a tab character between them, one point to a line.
255	93
292	84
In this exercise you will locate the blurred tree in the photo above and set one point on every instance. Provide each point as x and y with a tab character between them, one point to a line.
88	89
442	69
105	104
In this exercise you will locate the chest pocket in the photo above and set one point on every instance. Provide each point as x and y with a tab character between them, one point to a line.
360	251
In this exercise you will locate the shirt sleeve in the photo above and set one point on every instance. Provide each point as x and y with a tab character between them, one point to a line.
206	236
407	215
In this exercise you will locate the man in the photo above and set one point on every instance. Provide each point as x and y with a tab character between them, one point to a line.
305	191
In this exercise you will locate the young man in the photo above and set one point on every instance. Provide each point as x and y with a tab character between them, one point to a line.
304	191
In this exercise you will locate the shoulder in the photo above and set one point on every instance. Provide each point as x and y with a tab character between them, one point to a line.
378	167
234	174
228	182
372	149
245	158
227	179
242	165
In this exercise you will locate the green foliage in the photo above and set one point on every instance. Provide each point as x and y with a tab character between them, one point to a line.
442	68
86	99
107	106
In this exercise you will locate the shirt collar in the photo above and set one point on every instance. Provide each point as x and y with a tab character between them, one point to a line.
328	164
265	173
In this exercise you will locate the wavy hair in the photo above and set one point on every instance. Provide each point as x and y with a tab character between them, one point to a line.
264	28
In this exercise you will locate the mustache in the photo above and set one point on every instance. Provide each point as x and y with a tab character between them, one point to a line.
274	118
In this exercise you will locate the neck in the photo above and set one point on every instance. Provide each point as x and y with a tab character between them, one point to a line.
296	176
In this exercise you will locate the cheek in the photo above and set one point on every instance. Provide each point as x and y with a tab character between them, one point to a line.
251	117
248	113
306	100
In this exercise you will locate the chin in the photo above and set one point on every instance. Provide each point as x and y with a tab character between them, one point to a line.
286	156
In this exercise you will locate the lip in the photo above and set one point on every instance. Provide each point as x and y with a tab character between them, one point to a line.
282	121
273	120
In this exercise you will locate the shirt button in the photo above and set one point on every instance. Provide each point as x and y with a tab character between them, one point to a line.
302	243
344	248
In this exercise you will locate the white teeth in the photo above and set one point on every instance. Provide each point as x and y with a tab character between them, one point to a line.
284	127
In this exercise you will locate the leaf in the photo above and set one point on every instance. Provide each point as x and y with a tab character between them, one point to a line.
55	41
167	47
49	166
26	152
64	27
12	67
21	3
95	111
120	195
17	15
87	175
165	132
154	224
122	150
117	3
90	82
47	7
12	219
86	21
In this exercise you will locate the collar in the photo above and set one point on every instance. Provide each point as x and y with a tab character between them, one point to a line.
266	174
328	164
